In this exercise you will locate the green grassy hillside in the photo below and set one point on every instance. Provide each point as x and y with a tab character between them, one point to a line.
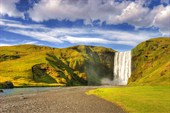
150	68
151	63
29	65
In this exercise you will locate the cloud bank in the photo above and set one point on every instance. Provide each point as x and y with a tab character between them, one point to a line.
135	13
132	12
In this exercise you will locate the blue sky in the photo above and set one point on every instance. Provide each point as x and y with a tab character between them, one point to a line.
117	24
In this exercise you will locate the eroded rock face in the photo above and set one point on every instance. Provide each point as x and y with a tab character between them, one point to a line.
44	73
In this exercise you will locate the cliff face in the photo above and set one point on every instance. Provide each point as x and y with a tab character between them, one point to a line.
151	63
30	65
97	63
81	65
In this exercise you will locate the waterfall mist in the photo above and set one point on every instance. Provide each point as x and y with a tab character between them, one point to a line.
122	68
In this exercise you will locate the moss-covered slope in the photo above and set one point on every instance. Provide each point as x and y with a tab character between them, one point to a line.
151	63
27	65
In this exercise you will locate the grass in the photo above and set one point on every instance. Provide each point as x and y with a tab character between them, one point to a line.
16	62
137	99
151	62
19	70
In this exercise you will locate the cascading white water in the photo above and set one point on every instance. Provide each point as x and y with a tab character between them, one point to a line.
122	68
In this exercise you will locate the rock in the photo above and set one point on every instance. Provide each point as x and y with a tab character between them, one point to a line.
13	105
43	73
1	91
8	85
23	97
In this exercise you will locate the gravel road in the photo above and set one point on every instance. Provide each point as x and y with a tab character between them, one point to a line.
62	100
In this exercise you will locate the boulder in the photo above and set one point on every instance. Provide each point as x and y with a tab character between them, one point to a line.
8	85
1	91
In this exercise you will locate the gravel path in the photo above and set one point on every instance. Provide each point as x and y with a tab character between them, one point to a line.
63	100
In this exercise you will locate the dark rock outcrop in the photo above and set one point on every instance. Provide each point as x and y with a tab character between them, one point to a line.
41	73
8	57
1	91
8	85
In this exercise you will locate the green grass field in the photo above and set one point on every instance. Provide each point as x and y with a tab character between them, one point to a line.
137	99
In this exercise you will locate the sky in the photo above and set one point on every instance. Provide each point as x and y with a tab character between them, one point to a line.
116	24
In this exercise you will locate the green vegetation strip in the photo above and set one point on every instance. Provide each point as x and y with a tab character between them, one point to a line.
137	99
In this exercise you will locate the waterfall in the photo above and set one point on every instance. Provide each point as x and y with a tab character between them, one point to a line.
122	68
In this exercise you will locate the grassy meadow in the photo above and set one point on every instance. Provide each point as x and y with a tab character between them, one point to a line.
16	64
19	70
137	99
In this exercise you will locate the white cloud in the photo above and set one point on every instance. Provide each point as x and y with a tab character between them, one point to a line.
30	42
162	20
87	40
76	35
5	44
133	13
24	42
8	7
16	24
109	11
43	36
84	40
7	40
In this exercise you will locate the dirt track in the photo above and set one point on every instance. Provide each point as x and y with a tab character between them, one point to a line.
63	100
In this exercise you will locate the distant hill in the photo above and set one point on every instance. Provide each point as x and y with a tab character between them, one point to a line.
32	65
29	65
151	63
